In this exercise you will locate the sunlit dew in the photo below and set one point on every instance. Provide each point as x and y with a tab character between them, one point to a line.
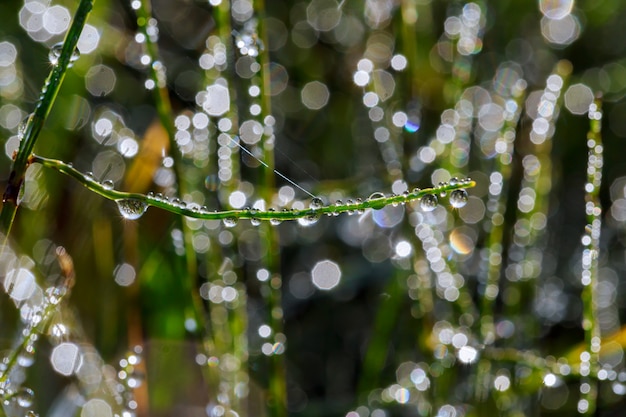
361	78
550	380
20	284
502	383
217	100
399	62
65	358
428	202
467	354
326	275
370	99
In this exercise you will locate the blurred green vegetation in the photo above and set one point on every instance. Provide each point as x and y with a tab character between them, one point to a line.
204	305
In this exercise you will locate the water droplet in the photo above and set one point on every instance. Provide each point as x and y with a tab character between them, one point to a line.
230	221
21	128
308	220
255	222
458	198
360	210
350	203
454	181
443	192
55	294
274	221
24	397
26	357
55	54
428	202
416	190
131	208
316	204
107	184
376	200
89	175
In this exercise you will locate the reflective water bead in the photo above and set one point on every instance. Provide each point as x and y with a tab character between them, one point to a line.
377	199
131	208
107	184
350	203
308	220
316	204
428	202
458	198
454	181
360	210
274	221
230	221
443	192
24	397
55	54
338	204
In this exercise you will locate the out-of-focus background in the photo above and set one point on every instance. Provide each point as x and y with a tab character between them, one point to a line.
386	312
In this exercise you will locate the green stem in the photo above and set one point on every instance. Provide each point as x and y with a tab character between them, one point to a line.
35	122
203	213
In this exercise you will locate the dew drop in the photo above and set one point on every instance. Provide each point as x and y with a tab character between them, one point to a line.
21	128
55	53
350	203
89	175
458	198
230	221
454	181
441	185
316	204
255	222
26	357
131	208
107	184
359	210
308	220
274	221
428	202
24	397
376	200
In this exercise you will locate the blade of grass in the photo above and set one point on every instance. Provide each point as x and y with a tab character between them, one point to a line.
37	119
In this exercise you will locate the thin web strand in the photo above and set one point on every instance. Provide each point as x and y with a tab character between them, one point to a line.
267	166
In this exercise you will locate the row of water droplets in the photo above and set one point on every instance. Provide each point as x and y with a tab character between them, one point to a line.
134	208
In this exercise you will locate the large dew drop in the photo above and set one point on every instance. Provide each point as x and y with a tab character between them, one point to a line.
428	202
131	209
316	204
458	198
55	54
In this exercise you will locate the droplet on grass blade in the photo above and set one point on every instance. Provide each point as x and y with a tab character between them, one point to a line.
428	202
55	54
131	209
458	198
